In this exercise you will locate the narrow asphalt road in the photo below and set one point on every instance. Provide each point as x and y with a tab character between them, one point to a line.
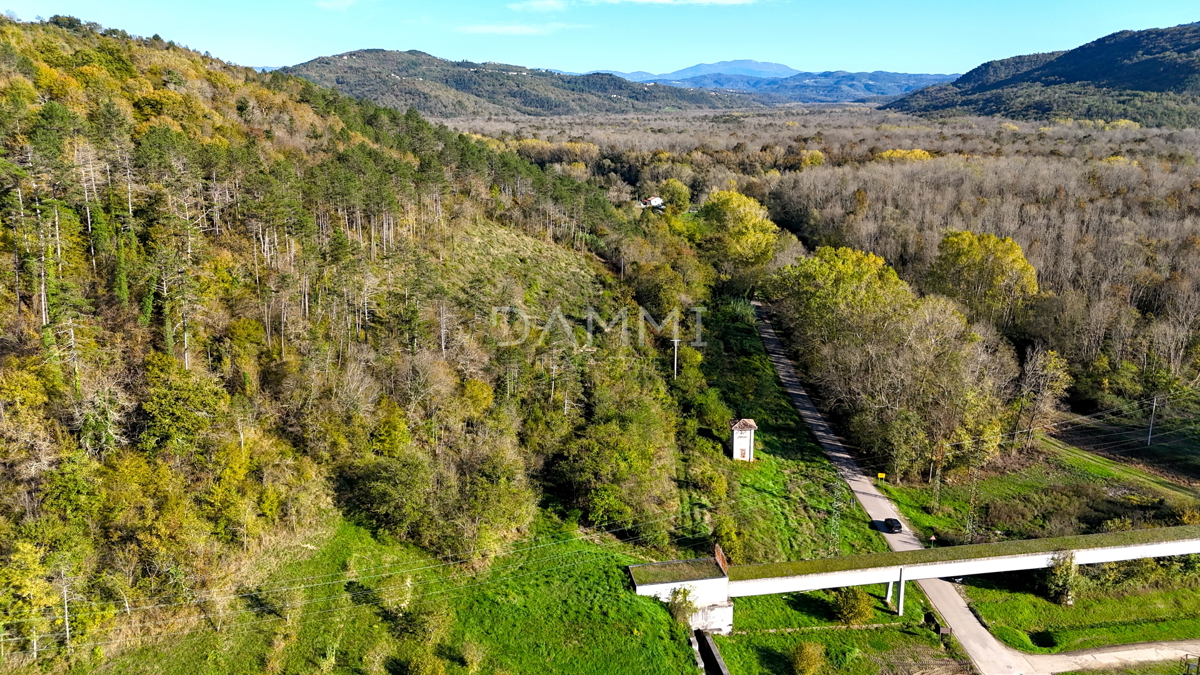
989	655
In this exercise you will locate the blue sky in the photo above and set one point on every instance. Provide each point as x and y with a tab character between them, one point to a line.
935	36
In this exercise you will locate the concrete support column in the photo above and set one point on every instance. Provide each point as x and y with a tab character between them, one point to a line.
888	600
901	609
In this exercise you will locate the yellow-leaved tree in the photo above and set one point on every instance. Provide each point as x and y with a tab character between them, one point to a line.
986	273
741	232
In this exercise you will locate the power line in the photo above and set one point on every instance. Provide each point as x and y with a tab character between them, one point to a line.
209	599
351	594
447	559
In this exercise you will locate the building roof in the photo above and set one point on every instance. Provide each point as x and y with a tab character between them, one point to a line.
743	425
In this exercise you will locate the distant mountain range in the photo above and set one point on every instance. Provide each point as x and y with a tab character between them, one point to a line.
740	67
828	87
457	88
460	88
780	83
1149	76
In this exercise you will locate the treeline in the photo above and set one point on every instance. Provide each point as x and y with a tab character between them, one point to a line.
1066	246
233	302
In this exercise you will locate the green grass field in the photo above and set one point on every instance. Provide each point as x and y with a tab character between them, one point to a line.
809	617
815	610
1022	618
848	652
1061	491
564	607
1174	452
1070	489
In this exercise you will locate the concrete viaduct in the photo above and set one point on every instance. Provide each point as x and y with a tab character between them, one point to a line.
715	584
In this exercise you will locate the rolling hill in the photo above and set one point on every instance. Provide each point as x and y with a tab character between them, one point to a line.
1149	76
460	88
457	88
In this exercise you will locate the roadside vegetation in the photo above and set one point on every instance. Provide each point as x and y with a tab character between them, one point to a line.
1113	604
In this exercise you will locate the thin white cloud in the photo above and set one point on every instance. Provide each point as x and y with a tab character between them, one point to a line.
335	5
672	2
516	29
539	6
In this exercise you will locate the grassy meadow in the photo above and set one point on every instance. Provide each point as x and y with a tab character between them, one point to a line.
1066	490
1021	617
1053	490
850	652
563	605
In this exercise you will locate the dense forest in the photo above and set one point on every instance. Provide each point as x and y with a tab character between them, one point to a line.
965	276
234	303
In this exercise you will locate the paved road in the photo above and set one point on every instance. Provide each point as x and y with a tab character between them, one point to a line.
989	655
1115	657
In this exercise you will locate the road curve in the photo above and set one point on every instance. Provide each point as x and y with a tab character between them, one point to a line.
988	654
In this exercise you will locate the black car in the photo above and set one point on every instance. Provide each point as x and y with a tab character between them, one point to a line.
892	525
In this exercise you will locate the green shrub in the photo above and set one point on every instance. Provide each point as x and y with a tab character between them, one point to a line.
682	604
725	534
472	655
710	481
1017	639
424	662
427	621
853	606
807	658
1062	578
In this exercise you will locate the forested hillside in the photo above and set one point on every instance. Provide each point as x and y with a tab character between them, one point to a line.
455	88
1149	76
236	306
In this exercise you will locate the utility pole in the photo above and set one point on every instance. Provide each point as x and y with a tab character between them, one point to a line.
66	611
442	321
1153	409
675	369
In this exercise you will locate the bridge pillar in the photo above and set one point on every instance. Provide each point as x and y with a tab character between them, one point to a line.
901	609
888	599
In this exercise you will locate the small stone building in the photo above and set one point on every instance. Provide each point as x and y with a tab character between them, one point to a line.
743	439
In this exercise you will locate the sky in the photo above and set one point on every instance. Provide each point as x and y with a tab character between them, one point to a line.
659	36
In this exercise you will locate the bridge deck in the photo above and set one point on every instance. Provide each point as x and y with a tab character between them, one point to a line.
968	552
929	563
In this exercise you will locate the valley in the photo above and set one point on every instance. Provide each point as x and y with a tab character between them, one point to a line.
386	364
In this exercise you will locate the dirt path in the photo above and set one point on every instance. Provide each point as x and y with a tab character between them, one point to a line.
989	655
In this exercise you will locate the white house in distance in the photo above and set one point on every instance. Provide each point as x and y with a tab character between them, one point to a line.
743	439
